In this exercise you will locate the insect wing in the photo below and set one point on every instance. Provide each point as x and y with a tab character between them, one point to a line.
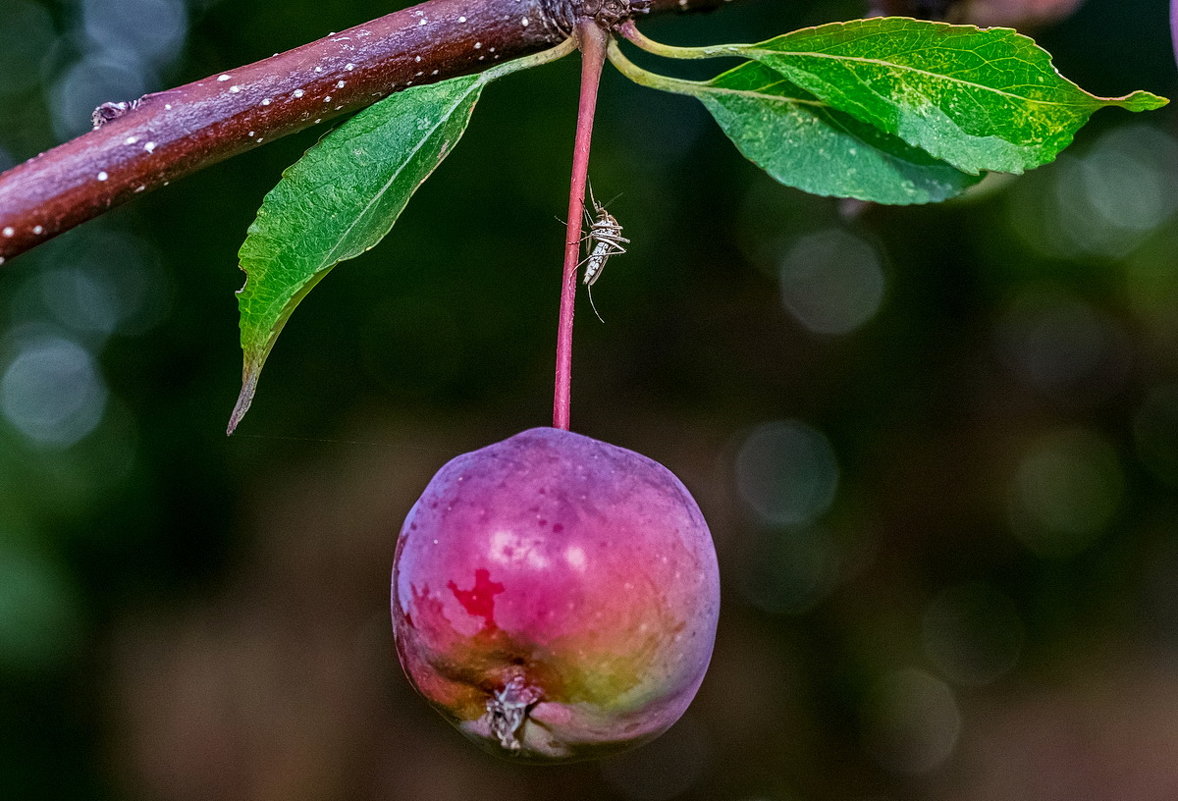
596	262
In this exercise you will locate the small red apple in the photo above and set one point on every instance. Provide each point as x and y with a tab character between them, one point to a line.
556	597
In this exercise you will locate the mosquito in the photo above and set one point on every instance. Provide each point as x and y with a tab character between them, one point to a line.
603	240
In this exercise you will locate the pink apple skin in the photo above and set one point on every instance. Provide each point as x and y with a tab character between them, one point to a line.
556	597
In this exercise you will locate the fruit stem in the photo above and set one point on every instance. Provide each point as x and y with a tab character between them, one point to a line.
592	39
1174	27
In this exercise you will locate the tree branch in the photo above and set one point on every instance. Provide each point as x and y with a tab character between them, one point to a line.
147	143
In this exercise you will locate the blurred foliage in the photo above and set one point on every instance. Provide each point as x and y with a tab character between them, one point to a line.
938	446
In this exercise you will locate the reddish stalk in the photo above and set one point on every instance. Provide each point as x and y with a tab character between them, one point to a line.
1174	27
593	40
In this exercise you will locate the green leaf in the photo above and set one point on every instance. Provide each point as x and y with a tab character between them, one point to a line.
804	143
978	99
339	200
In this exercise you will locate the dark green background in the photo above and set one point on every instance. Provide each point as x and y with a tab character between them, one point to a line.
987	609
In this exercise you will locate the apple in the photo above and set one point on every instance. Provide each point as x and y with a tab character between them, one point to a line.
555	597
